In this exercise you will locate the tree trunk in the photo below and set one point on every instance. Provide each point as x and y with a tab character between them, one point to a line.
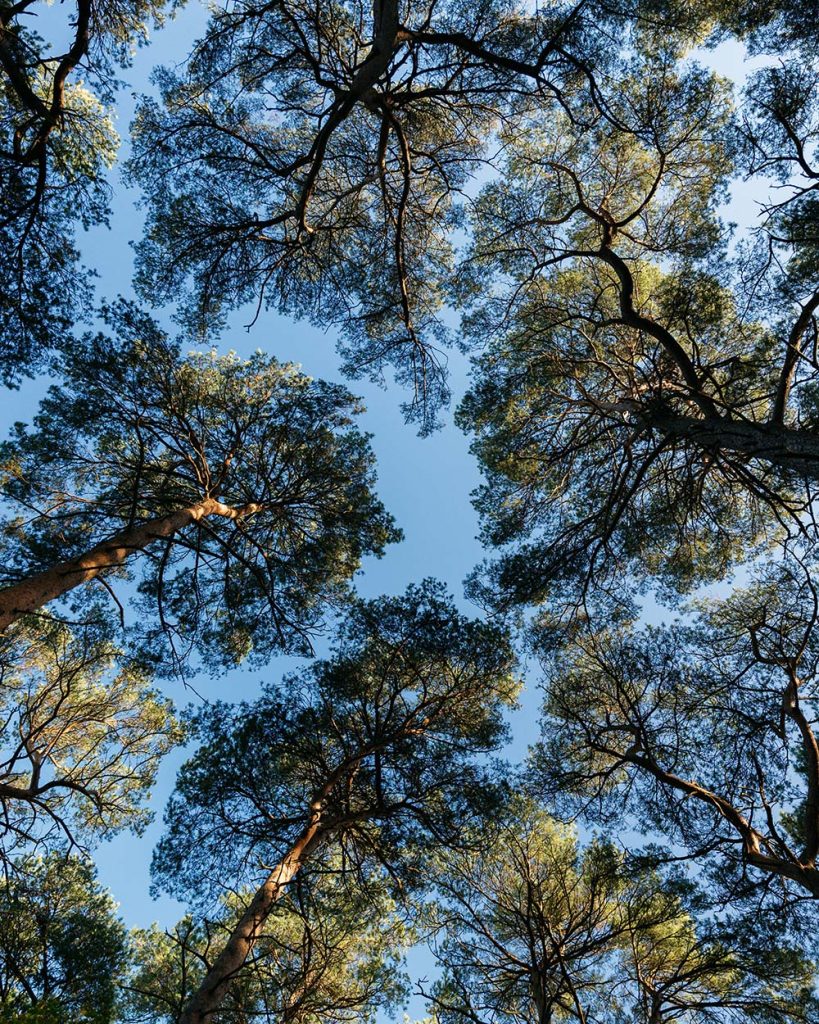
30	594
792	449
542	1004
207	999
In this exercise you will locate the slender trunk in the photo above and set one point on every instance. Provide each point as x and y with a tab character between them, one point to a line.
793	354
811	748
30	594
543	1005
207	999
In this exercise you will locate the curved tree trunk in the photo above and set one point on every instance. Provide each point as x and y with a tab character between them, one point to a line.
30	594
208	998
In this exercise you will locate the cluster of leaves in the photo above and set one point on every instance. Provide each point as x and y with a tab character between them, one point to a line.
536	928
241	487
62	948
375	749
643	404
312	156
82	733
707	730
57	141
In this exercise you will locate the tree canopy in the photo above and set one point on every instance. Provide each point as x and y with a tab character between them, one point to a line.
538	929
82	734
57	141
313	156
62	947
373	753
644	403
241	487
644	409
706	731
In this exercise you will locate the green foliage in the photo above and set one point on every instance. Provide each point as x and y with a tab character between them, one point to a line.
644	408
379	745
138	432
311	157
347	222
536	928
622	409
704	734
329	950
57	143
583	481
82	736
43	287
63	949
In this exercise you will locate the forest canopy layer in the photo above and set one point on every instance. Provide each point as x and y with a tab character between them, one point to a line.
607	209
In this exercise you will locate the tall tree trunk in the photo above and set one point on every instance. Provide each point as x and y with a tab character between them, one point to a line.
30	594
542	1004
207	999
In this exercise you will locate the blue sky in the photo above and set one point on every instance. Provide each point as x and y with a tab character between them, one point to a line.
425	482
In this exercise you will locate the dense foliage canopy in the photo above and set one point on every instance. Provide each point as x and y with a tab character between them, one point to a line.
62	948
644	408
241	486
82	736
537	929
708	728
57	140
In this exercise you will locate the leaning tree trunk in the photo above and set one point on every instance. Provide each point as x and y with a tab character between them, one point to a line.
207	999
32	593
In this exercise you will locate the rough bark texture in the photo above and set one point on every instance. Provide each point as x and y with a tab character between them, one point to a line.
796	450
208	998
30	594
